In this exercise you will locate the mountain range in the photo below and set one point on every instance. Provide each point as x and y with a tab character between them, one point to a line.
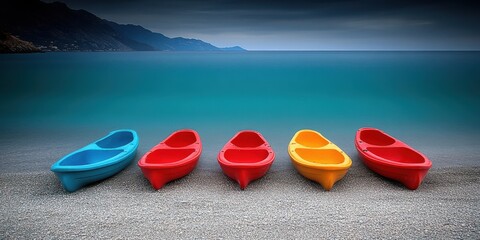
32	25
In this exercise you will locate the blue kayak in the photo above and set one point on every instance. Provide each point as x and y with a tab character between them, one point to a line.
98	160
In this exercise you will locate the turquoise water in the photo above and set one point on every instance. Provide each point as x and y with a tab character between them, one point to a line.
424	89
415	95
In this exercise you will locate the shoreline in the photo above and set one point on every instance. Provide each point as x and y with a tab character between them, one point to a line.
35	152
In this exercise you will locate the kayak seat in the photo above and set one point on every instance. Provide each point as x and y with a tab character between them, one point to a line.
397	154
163	155
310	139
246	156
116	140
89	157
322	156
376	138
248	139
181	139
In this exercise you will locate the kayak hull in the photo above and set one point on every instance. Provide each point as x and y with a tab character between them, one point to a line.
246	157
326	178
318	159
410	178
72	181
391	158
97	161
243	176
173	158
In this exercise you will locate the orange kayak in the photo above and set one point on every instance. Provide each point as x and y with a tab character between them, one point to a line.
318	159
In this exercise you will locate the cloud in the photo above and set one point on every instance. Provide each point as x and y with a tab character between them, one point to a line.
384	23
290	24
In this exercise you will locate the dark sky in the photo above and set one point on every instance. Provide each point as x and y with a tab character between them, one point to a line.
304	25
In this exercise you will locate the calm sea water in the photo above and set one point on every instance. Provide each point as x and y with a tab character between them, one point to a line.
429	98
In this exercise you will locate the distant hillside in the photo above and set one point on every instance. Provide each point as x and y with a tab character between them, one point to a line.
55	27
11	44
159	41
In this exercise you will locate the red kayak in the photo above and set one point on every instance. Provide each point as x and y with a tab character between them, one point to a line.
391	158
173	158
246	157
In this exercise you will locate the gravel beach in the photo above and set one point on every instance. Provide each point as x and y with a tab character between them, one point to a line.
206	204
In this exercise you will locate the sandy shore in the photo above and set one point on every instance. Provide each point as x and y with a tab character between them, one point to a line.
206	204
